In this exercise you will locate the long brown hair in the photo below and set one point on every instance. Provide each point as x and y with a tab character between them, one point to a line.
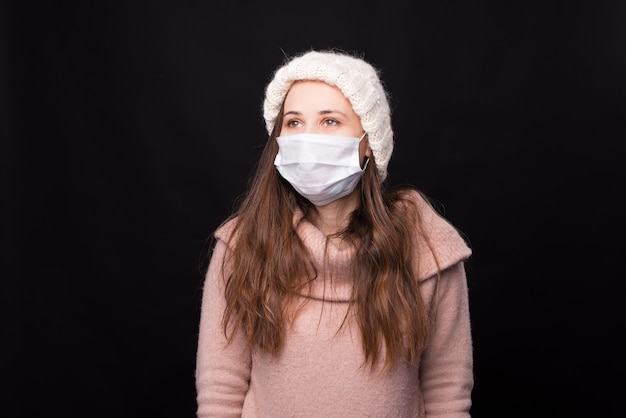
268	255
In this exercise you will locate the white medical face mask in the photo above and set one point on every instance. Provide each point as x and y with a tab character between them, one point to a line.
321	168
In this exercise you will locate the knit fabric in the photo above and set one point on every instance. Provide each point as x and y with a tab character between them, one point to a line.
319	371
357	80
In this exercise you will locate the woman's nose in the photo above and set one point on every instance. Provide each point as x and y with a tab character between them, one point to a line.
312	129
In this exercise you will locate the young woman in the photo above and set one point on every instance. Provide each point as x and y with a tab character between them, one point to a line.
327	294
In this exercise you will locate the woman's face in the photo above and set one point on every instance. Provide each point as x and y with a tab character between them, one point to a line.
319	108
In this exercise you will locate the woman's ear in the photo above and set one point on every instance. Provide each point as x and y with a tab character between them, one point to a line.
364	147
365	152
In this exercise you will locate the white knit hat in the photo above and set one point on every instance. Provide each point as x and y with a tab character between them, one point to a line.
356	79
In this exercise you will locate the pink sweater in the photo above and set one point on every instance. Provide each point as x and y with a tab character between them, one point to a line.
319	371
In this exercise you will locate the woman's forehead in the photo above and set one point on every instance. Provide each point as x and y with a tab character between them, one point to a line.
312	94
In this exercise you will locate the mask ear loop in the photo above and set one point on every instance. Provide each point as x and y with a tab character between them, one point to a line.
367	159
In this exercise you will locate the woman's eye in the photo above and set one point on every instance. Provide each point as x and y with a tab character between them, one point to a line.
293	123
330	122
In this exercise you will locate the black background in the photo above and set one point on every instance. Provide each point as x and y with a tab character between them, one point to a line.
130	128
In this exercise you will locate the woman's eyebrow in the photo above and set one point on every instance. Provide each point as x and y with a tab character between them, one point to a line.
321	112
326	112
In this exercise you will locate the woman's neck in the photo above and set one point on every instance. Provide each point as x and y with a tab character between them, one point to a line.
335	216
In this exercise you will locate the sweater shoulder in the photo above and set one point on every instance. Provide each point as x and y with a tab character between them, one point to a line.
439	244
227	232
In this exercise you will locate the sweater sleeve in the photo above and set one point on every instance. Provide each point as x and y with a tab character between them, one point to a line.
222	369
446	371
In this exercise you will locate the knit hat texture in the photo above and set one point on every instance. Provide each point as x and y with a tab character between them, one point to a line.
357	80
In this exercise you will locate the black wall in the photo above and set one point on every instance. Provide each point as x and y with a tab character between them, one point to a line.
130	128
